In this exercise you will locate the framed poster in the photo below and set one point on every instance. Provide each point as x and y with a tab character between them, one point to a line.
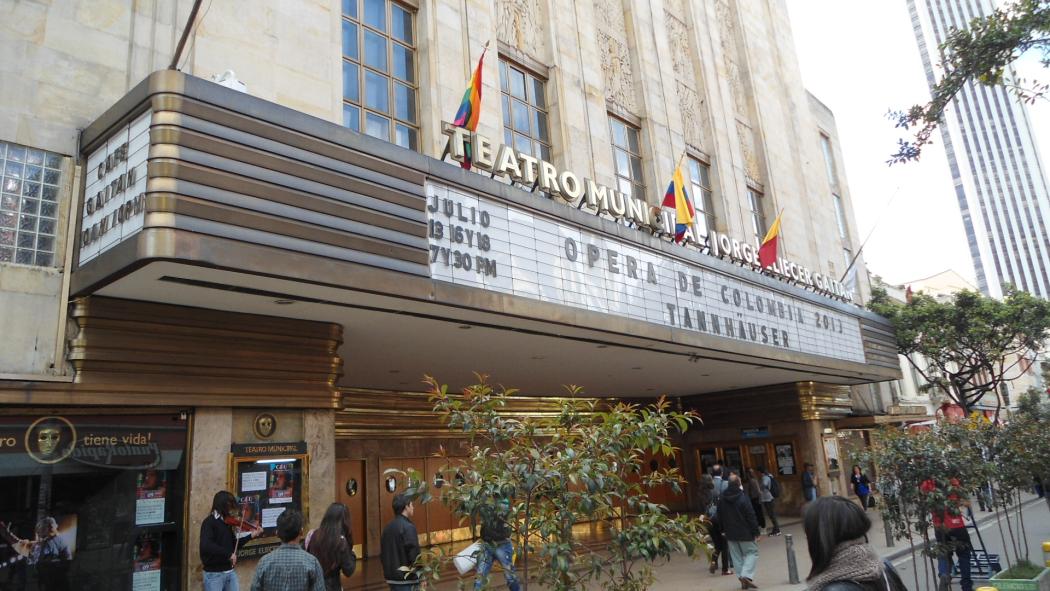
785	459
267	479
831	452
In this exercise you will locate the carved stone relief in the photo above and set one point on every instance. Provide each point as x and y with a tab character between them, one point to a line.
609	14
517	24
617	70
694	122
747	148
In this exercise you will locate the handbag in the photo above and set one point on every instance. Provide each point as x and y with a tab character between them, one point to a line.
466	559
872	502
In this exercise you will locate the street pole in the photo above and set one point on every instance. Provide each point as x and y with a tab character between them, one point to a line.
789	544
889	533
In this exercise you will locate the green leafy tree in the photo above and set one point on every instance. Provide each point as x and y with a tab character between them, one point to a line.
582	464
971	344
980	54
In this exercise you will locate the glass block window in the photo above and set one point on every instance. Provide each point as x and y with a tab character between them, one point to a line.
380	85
703	198
829	161
628	158
840	217
29	192
524	111
758	214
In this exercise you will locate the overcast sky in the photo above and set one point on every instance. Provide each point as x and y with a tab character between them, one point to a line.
860	59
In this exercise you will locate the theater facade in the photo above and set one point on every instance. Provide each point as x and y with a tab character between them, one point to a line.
258	294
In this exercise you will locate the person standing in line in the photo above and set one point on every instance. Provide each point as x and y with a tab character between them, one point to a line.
809	483
332	545
737	519
861	486
754	492
495	535
836	534
289	567
949	528
770	491
718	539
218	546
399	547
705	492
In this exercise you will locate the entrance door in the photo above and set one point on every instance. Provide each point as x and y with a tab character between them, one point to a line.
350	490
705	459
732	458
758	457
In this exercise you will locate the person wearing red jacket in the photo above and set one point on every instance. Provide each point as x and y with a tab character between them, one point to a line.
950	528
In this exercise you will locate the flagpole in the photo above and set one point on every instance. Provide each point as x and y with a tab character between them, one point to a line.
870	232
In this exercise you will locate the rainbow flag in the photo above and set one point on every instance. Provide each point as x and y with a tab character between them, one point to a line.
470	108
677	198
767	253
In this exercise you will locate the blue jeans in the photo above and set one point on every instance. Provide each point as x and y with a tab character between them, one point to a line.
221	581
745	558
959	538
810	494
502	551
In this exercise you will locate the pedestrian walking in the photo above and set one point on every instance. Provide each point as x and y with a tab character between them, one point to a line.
495	535
399	547
810	481
718	539
836	534
737	519
332	544
949	529
289	567
861	486
218	545
754	493
705	492
770	491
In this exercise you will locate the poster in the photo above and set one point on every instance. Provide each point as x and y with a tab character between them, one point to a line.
831	451
269	516
150	491
146	571
785	459
282	483
253	481
250	509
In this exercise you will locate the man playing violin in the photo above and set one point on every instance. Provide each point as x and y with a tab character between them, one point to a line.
47	551
221	532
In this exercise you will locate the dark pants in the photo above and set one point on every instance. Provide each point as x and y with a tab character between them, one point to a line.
721	549
771	511
959	539
864	500
759	515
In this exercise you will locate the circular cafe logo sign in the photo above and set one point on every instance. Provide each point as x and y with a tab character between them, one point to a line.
49	440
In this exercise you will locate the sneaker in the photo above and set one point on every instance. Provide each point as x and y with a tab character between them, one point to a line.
711	567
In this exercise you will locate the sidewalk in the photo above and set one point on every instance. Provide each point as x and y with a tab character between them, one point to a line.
681	572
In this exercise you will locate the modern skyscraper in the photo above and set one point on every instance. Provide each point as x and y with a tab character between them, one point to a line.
999	180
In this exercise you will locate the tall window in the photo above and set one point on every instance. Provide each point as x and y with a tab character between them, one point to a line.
627	154
829	161
703	201
840	216
524	111
28	205
379	74
758	213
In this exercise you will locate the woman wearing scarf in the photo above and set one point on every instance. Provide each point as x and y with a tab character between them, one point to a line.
836	533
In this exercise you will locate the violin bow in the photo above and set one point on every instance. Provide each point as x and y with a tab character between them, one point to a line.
237	541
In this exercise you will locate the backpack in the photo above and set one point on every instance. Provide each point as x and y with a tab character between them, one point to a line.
774	486
720	487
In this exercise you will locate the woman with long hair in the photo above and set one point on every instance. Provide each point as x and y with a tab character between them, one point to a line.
861	485
837	536
333	545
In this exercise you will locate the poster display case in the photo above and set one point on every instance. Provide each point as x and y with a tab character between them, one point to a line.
267	479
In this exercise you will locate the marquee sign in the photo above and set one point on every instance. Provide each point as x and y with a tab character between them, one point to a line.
505	161
114	194
483	243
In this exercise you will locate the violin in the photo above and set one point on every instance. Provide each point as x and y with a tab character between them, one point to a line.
241	525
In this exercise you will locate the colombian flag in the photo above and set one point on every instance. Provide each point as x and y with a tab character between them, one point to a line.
767	253
470	108
677	198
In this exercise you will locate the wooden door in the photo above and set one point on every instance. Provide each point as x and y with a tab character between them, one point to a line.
392	484
350	490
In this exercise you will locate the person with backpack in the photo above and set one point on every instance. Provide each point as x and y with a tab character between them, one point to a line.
770	491
718	539
740	526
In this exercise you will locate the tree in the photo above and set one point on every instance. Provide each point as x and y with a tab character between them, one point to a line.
982	54
972	344
582	464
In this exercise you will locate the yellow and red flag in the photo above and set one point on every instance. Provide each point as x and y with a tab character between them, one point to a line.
767	253
677	197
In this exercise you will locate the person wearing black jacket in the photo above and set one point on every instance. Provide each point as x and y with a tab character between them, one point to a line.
218	544
737	521
399	547
495	533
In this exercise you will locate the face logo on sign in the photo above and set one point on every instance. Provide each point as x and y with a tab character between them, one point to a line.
265	425
50	440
